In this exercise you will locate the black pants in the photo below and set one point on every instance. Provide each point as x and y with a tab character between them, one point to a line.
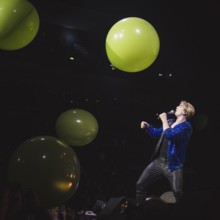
156	170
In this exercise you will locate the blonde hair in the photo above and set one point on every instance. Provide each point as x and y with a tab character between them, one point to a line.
188	108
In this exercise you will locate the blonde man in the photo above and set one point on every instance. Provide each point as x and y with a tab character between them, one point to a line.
169	155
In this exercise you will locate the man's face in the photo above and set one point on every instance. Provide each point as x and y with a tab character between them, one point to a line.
180	110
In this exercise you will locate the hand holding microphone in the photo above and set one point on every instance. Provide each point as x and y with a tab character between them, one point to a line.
144	124
170	113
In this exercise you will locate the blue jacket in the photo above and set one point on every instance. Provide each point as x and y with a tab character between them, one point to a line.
178	138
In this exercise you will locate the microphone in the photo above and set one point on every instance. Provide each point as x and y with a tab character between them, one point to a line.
170	113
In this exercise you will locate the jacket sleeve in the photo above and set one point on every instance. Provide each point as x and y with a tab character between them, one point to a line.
154	132
179	132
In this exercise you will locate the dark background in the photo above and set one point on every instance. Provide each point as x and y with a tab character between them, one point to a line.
39	82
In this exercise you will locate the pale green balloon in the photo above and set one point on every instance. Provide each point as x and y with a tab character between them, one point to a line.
132	44
48	166
11	12
77	127
19	24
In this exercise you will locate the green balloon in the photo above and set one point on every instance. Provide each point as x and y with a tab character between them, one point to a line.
47	166
19	24
77	127
10	14
132	44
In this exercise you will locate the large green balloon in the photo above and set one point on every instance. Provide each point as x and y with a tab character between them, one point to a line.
132	44
47	166
77	127
19	24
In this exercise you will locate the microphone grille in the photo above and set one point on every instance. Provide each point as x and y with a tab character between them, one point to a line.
171	112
